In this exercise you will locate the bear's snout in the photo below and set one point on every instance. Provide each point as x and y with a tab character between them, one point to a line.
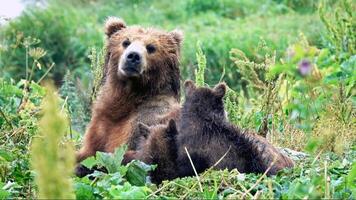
132	65
133	58
132	62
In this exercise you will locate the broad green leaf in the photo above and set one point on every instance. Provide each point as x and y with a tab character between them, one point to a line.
119	154
351	177
106	160
8	90
3	193
84	191
6	155
128	192
111	162
37	89
90	162
137	172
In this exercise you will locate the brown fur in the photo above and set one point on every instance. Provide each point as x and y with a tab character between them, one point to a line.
206	133
136	135
125	101
158	146
129	156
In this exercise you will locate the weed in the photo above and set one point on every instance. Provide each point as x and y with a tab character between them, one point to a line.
52	159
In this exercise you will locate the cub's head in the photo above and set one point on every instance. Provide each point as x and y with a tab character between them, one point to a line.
134	52
204	101
157	146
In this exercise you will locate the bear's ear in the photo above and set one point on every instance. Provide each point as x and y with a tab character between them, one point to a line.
177	35
189	87
171	129
144	130
113	25
220	90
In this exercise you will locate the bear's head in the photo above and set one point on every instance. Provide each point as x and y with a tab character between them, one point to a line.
158	142
146	55
204	101
157	146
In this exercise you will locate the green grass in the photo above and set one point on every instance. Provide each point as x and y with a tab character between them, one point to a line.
308	179
218	25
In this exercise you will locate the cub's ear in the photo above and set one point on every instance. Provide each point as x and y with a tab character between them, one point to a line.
113	25
220	90
171	130
189	87
177	35
144	130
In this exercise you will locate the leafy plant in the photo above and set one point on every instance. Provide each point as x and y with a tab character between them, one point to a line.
199	73
76	104
255	75
97	69
119	181
341	27
18	125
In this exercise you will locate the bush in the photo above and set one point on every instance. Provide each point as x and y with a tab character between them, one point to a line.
63	31
235	8
219	36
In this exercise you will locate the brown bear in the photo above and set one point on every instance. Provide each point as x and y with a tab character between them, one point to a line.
141	84
206	133
157	146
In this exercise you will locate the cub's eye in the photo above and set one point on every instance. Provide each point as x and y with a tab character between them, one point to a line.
126	43
150	48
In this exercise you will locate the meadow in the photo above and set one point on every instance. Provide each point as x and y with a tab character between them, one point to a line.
290	66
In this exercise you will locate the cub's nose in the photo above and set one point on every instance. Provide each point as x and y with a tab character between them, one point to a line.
133	58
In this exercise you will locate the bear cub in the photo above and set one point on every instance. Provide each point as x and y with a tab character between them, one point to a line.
207	135
157	145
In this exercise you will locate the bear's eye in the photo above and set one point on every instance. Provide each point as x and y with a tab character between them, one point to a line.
150	48
126	43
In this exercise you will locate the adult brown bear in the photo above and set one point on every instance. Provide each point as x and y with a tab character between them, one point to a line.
142	84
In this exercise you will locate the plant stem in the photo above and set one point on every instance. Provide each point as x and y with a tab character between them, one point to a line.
7	120
45	74
259	180
26	62
327	181
195	171
31	73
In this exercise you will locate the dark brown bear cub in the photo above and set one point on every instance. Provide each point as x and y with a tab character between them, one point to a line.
207	135
157	146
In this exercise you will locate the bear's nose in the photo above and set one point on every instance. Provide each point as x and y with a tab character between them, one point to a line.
133	57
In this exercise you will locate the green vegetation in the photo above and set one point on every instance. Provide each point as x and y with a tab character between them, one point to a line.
51	160
218	25
290	66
